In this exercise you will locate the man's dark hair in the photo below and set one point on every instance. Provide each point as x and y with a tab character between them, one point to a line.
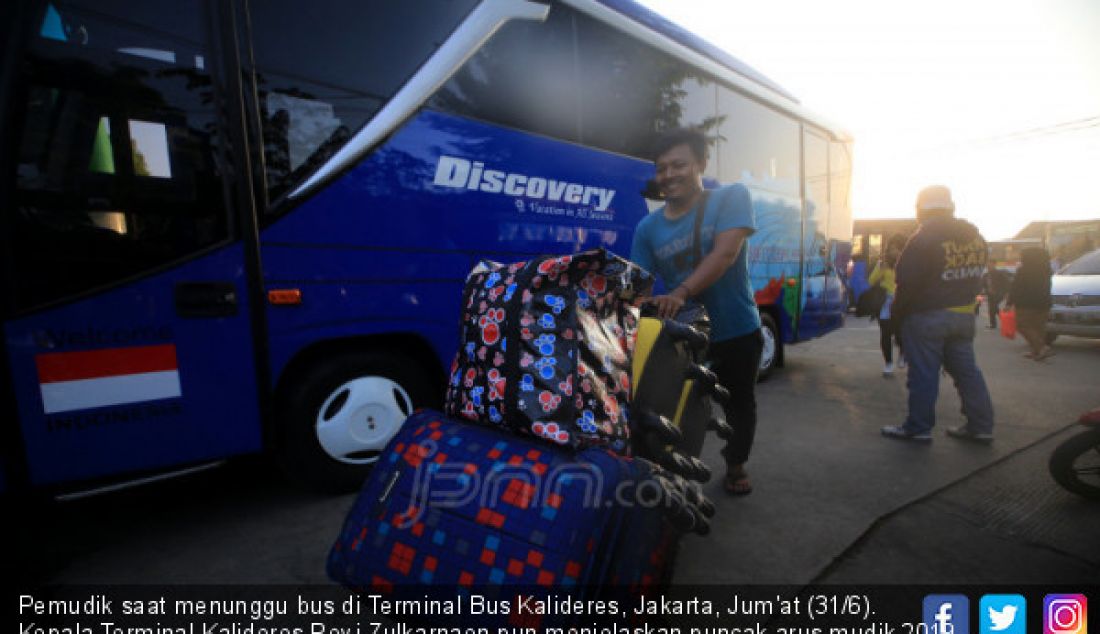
692	137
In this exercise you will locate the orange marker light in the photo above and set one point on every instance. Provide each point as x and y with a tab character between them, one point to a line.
284	297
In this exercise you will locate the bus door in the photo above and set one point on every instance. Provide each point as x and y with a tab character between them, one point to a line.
127	329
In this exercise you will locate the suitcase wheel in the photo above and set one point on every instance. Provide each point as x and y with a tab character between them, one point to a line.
720	427
695	340
666	432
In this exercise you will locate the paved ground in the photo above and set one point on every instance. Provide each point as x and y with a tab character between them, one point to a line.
1006	524
834	501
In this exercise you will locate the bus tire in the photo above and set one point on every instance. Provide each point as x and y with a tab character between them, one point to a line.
341	412
773	347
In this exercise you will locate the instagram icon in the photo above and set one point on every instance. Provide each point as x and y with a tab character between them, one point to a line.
1065	614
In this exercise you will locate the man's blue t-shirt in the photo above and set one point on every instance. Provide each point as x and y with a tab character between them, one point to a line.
664	247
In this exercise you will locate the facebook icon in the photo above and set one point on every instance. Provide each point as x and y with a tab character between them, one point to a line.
947	614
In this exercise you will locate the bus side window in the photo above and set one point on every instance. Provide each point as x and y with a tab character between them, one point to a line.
630	92
525	77
759	146
840	185
322	74
576	79
815	159
116	170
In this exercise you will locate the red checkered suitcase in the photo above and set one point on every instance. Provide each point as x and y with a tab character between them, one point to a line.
461	504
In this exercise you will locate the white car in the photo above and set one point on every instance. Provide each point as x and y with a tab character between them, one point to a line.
1075	298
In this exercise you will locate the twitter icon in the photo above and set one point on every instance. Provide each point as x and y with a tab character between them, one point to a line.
1003	614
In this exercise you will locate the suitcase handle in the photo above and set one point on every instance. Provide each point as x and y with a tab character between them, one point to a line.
386	490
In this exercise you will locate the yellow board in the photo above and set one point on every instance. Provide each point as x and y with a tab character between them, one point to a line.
659	382
682	405
648	331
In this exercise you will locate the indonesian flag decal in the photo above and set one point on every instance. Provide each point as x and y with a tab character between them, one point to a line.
101	378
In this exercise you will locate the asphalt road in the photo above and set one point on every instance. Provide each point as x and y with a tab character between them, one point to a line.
834	501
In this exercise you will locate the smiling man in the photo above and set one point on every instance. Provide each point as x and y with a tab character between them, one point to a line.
715	272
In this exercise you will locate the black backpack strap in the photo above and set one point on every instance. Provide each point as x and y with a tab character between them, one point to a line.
696	240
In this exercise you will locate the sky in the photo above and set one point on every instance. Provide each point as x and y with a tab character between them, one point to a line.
998	100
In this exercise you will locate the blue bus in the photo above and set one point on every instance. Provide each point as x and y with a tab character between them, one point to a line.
232	226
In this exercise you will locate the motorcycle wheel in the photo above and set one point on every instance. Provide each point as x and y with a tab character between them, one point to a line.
1075	464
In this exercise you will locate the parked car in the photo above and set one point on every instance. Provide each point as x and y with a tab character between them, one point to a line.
1075	296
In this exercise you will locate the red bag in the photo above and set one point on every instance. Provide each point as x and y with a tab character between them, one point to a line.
1008	323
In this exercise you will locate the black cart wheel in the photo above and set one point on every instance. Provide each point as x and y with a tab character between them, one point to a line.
342	412
1075	464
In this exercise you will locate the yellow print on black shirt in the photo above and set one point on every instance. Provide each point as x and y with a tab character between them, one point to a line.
963	260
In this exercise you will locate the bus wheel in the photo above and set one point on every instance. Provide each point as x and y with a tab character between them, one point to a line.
769	357
342	412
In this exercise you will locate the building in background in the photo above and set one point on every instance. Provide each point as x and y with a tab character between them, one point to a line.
1007	254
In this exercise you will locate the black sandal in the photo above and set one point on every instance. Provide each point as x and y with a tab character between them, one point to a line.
739	485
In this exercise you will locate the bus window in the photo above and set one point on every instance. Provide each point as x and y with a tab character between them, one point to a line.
857	246
629	92
874	247
840	179
759	146
577	79
525	77
116	170
318	85
817	185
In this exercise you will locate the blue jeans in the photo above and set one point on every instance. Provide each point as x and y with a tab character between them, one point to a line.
941	338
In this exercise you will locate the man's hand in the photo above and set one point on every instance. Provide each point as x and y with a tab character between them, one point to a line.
669	305
727	245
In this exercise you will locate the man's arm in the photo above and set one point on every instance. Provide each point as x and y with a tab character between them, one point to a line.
1013	293
727	246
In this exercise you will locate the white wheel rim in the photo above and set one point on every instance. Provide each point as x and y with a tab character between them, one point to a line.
358	418
767	356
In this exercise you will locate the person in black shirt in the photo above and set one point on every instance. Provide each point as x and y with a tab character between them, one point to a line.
1030	295
996	285
939	274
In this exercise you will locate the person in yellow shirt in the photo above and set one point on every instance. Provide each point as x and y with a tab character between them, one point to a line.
883	276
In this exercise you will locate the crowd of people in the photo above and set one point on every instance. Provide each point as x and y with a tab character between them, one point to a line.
928	285
1025	293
